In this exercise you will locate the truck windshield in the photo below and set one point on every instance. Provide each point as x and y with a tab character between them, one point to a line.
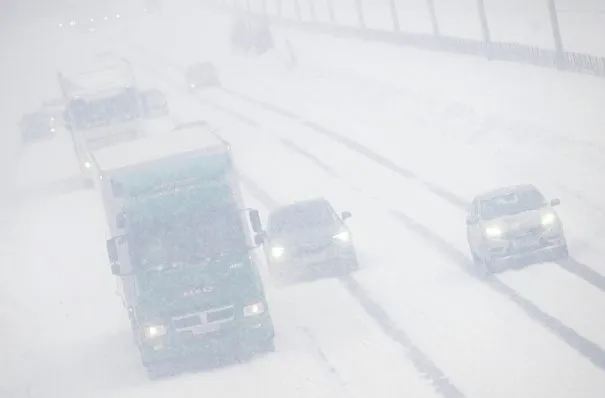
86	114
188	237
512	203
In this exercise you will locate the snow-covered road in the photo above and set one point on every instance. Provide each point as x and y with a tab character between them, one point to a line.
412	321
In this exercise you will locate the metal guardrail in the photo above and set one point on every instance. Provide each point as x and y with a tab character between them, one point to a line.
556	58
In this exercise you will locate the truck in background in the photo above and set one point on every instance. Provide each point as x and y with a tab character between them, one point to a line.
180	246
104	106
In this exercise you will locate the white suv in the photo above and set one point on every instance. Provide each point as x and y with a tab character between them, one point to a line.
512	223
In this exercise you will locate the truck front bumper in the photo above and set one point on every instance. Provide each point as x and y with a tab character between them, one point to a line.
252	335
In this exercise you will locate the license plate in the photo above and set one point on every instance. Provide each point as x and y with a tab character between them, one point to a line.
203	329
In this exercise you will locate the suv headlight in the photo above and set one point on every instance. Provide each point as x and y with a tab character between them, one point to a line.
343	236
548	219
154	331
277	251
493	231
254	309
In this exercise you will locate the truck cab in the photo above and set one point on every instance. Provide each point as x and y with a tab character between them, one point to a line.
180	245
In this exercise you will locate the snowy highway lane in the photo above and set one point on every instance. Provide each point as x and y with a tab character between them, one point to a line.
468	328
75	340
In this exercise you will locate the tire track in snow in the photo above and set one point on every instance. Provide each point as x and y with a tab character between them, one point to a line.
591	351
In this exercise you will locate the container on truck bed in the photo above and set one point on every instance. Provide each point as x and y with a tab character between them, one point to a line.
180	246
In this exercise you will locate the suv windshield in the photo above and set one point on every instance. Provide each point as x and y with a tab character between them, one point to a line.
301	216
512	203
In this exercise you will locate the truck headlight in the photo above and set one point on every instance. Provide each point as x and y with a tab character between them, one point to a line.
87	165
343	236
254	309
548	219
277	251
154	331
493	231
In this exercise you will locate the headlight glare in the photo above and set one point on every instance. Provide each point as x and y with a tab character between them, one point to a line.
343	236
549	219
277	251
254	309
493	231
154	331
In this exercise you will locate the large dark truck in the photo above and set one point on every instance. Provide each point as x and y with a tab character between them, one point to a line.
105	106
180	246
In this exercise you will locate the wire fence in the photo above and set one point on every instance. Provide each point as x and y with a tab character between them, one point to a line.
564	34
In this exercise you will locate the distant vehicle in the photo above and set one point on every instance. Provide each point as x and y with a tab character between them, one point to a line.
201	75
37	127
251	35
180	246
511	223
104	105
305	235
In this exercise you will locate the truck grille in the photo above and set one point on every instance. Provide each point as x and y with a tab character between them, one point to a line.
216	315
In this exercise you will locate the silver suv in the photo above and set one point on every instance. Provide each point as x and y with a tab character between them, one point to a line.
305	235
513	222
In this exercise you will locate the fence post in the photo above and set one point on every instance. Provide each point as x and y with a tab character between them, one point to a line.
394	15
297	10
556	32
331	11
312	10
360	20
278	8
485	28
433	13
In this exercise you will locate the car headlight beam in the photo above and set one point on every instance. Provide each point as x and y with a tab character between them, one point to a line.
548	219
154	331
343	236
254	309
493	231
277	251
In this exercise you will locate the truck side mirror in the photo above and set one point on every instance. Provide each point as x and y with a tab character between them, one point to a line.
555	202
121	221
112	251
346	215
255	222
